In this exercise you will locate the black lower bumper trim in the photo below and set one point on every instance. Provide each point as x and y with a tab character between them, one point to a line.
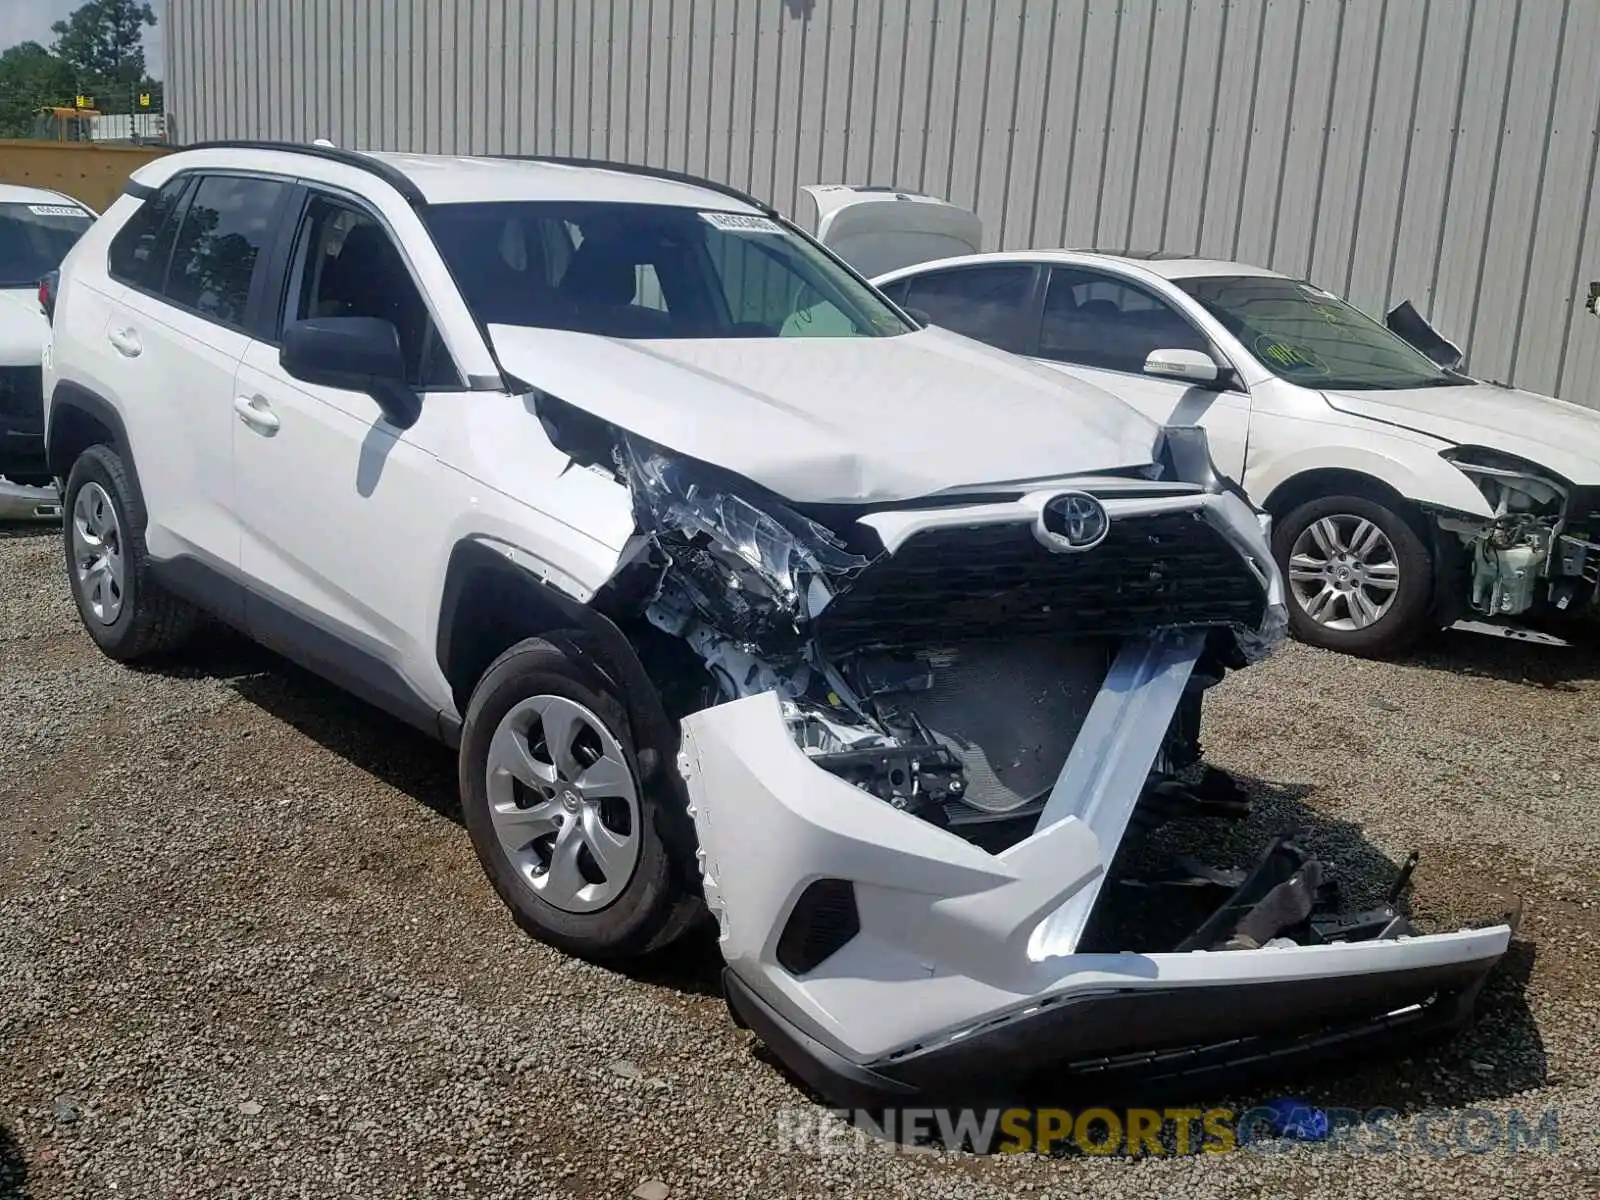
1139	1041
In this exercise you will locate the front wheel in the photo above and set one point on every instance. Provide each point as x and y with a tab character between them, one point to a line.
1359	577
564	827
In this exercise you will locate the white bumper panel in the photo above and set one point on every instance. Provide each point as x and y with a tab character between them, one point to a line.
951	937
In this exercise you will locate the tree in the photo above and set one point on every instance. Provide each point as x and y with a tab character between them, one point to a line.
103	42
30	79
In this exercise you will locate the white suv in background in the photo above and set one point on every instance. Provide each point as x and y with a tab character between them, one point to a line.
695	547
37	228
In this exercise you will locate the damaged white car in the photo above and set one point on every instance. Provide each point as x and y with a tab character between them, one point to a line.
1405	495
691	543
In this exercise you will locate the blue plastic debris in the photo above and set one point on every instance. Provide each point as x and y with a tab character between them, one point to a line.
1296	1119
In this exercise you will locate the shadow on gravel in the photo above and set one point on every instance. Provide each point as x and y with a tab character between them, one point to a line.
13	1169
1500	1055
364	736
10	530
1553	668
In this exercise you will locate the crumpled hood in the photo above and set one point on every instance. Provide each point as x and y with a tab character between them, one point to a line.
1562	437
23	329
839	420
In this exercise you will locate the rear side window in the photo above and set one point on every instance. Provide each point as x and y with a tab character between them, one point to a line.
228	223
991	304
142	247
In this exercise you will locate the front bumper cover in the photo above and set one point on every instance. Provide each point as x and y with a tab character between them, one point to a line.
1149	1043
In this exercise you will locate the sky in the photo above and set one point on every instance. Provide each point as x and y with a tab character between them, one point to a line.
30	21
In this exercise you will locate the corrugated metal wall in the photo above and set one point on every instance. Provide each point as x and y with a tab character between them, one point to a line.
1441	150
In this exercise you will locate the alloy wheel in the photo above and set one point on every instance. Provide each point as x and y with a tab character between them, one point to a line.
564	803
98	563
1344	572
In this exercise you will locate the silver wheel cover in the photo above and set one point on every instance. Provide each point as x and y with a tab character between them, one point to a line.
564	803
1344	572
99	565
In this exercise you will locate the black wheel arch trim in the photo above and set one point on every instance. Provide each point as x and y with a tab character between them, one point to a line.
521	605
74	397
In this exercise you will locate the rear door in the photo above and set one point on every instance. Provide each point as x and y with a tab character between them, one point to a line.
185	279
1100	327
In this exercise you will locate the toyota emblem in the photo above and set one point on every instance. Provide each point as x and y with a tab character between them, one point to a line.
1072	521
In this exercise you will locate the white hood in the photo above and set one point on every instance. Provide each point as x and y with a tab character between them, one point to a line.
1561	437
839	420
23	329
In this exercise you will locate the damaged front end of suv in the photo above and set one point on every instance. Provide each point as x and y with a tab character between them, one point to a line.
916	737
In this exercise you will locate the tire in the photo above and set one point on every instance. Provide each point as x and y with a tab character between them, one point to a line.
530	689
1359	614
138	618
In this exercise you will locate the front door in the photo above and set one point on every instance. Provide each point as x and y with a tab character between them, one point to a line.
333	499
1100	328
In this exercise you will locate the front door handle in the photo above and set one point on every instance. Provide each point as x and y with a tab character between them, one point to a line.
126	342
255	412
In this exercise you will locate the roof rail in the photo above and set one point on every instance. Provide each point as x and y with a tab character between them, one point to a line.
602	164
350	158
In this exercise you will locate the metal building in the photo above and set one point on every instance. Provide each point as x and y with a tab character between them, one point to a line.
1438	150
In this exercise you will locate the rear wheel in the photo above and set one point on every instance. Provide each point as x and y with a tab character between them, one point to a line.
127	613
561	822
1359	577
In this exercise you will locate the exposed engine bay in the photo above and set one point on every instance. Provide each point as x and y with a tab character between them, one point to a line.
1529	554
966	729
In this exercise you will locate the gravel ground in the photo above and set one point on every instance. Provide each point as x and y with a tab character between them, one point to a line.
245	949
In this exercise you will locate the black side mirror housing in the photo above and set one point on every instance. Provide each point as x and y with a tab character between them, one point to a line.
356	354
918	315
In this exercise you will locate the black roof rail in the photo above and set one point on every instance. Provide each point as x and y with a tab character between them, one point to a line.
401	182
601	164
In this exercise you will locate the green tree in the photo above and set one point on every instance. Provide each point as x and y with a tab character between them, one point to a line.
30	78
103	41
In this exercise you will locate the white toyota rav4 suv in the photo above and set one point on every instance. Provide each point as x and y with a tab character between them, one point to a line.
736	590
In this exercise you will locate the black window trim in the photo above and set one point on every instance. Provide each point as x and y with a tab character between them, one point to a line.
1232	381
187	181
282	262
199	175
1031	311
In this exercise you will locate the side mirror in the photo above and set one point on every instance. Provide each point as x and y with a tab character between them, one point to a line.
355	354
1406	323
918	315
1186	366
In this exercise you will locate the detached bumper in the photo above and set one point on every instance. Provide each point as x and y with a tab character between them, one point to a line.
1148	1043
884	959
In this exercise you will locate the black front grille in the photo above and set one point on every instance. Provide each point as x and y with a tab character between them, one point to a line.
944	585
22	399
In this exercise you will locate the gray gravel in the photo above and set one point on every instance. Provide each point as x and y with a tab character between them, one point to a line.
245	949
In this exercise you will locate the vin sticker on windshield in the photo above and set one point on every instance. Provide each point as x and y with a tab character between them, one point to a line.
741	222
56	210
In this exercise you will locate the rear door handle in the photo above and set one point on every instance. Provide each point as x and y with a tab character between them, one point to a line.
126	342
255	412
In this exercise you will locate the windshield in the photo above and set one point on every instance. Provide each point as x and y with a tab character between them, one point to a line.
34	238
651	271
1308	336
